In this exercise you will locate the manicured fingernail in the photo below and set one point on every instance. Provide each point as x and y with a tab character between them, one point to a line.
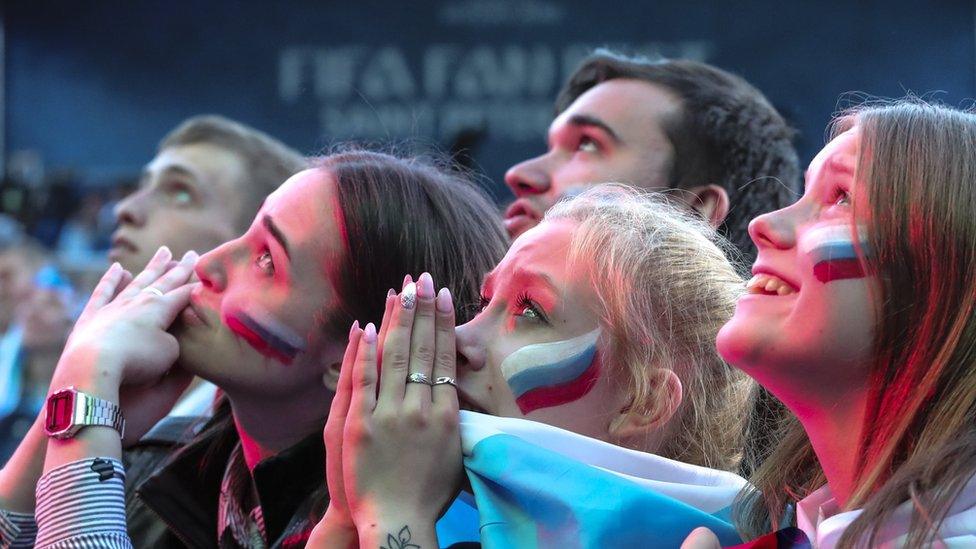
390	293
162	251
443	301
408	298
406	280
189	255
369	334
425	286
355	324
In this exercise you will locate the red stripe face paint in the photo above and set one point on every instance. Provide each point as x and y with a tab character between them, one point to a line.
543	375
266	334
833	251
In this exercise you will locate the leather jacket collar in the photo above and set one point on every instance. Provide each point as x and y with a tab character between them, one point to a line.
184	491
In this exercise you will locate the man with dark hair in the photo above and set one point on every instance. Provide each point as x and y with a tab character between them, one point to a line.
706	136
204	186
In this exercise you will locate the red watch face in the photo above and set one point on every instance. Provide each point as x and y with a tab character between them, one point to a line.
60	408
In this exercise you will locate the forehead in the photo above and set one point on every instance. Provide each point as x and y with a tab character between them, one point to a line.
207	164
838	156
543	248
306	209
625	104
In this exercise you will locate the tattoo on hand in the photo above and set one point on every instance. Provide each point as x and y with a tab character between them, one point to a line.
402	541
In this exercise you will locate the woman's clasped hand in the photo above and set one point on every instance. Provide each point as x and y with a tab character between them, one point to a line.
396	402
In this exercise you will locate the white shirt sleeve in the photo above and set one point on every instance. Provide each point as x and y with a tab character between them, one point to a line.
82	504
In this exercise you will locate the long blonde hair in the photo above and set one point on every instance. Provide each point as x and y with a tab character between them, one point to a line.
918	164
665	288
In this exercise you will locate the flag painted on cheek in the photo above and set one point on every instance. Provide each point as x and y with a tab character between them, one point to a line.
549	374
537	486
266	334
834	252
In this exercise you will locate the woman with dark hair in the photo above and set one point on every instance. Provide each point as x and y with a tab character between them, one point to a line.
267	324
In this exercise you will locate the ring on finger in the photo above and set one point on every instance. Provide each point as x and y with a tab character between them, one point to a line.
418	377
445	380
155	291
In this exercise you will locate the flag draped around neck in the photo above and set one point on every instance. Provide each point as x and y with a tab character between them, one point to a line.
540	486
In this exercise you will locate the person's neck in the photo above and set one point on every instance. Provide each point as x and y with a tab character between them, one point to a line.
834	424
267	426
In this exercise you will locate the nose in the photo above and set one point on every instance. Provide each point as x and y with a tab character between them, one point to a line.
470	348
529	177
212	266
131	210
774	230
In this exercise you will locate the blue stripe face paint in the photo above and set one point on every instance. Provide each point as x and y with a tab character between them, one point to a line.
833	251
266	334
550	374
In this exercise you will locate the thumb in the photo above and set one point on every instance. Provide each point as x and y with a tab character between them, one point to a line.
701	538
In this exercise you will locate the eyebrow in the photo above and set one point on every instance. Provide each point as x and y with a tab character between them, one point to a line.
172	169
523	273
587	120
276	233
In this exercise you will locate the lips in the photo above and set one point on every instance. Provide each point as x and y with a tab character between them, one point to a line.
767	282
121	244
521	216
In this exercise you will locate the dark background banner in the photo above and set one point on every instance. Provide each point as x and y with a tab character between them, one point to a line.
92	86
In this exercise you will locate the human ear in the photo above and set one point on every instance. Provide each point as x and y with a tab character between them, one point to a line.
640	421
711	202
330	378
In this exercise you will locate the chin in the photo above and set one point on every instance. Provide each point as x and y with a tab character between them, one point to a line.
741	345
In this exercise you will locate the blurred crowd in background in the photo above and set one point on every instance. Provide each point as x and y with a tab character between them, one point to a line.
54	235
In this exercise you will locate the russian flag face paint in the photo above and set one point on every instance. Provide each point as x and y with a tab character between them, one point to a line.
833	251
266	334
543	375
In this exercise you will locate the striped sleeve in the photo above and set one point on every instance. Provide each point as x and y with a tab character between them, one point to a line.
82	504
17	530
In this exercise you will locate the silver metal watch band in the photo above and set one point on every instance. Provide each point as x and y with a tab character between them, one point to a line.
90	410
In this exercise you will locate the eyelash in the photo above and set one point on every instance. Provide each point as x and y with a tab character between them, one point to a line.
523	302
840	195
269	267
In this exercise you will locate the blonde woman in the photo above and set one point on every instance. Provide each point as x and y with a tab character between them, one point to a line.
601	322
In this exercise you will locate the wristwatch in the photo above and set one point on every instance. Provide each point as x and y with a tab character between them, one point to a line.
69	410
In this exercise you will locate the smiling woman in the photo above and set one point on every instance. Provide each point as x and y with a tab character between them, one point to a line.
872	346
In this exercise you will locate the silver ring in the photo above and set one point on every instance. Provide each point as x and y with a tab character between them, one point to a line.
444	380
418	377
153	291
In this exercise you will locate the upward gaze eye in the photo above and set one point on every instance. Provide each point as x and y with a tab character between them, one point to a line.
587	145
842	198
265	263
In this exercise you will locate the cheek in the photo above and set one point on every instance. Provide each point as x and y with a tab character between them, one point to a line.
266	330
552	374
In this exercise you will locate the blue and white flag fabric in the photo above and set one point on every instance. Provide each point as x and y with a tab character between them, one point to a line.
538	486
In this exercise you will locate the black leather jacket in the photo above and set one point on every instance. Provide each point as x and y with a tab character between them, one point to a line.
173	478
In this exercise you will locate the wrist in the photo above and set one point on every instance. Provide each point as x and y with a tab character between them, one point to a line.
337	529
403	527
98	377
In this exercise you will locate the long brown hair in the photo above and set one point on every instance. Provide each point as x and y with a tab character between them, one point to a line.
917	162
